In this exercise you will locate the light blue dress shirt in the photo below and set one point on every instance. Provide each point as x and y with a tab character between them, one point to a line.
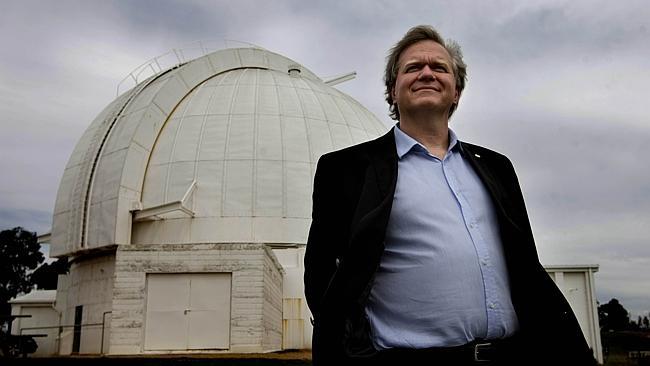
442	280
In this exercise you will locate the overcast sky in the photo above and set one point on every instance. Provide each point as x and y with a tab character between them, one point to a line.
561	87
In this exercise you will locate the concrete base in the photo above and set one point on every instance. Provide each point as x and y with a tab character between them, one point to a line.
256	292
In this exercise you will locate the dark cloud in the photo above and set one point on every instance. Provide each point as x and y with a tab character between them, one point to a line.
526	32
31	220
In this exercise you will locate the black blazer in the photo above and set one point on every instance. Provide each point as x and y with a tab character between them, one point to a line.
352	199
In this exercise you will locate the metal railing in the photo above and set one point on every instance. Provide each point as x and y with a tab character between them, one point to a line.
173	58
68	326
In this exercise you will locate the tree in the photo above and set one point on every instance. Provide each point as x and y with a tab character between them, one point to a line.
19	255
638	324
646	322
613	316
45	277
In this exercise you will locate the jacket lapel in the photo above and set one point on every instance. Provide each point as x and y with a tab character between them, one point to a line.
379	183
486	173
384	162
370	219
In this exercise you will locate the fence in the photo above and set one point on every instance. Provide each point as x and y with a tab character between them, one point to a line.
85	338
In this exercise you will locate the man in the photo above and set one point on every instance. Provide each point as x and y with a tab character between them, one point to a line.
420	249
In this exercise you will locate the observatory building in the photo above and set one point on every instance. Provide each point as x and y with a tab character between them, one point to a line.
186	204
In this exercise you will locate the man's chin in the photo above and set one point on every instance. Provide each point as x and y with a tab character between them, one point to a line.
430	105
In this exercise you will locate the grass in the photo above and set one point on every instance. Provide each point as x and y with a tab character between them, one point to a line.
283	358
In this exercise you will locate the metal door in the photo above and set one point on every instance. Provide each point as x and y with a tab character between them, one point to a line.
209	311
188	311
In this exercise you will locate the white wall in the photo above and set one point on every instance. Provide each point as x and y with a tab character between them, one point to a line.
296	327
90	284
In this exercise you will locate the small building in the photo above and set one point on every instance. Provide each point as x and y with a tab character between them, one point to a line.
579	288
37	317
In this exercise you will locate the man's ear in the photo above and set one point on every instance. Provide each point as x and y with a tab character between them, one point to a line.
456	96
392	94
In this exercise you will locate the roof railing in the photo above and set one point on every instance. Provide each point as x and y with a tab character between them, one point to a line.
173	58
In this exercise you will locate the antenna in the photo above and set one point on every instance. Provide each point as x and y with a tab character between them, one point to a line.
335	80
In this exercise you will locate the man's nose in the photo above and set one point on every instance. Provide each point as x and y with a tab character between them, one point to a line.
426	73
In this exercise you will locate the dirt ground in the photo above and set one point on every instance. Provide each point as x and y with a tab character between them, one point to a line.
298	357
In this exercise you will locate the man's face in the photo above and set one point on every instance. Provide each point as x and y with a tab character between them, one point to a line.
425	80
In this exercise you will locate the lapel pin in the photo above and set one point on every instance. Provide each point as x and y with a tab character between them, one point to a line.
477	155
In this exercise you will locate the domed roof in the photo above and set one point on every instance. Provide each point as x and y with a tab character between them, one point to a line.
220	149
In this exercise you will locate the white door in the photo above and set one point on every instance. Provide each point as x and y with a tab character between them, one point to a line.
188	311
575	291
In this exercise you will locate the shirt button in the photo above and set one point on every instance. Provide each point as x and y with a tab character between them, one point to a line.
484	262
492	306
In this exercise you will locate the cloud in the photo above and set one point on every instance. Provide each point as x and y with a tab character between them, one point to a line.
32	220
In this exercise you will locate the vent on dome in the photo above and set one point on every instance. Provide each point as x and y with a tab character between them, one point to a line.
294	70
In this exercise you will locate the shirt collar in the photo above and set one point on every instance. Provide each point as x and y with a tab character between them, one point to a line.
406	143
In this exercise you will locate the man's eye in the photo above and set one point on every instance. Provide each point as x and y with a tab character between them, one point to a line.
411	68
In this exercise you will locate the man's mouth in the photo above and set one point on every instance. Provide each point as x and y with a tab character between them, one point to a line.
427	88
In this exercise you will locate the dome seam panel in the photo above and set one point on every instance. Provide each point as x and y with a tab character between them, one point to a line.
175	140
255	140
226	144
198	159
327	123
283	155
304	120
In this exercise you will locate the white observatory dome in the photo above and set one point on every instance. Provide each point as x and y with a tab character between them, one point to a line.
221	149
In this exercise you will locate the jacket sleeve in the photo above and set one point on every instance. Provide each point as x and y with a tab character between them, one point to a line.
324	235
